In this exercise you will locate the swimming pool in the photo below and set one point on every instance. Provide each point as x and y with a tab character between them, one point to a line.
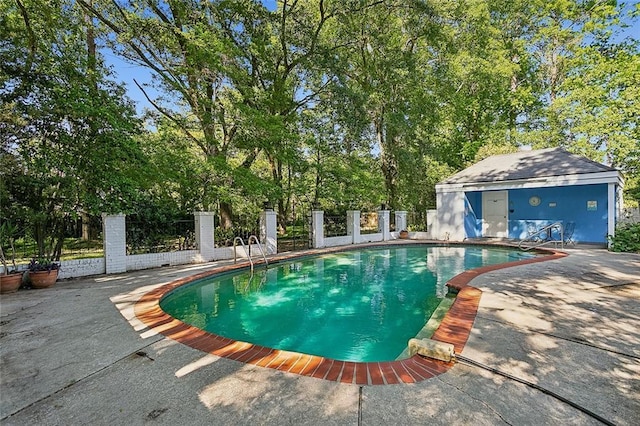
359	305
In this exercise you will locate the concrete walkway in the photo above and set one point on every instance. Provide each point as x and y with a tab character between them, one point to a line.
569	329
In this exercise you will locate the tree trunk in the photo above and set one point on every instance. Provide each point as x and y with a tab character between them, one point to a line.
316	193
276	173
226	215
86	227
389	163
91	49
282	216
554	70
513	113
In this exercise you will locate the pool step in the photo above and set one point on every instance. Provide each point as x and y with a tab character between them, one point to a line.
431	349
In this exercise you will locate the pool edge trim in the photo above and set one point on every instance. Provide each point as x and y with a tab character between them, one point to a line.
454	328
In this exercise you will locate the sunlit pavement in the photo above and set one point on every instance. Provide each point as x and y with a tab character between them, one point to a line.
553	343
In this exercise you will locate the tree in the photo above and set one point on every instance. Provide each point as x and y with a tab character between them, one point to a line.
586	84
598	107
68	130
379	88
341	173
183	43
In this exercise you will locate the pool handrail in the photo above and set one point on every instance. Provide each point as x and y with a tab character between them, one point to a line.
259	247
545	233
248	252
235	260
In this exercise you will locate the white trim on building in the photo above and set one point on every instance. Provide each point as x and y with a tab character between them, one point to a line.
521	170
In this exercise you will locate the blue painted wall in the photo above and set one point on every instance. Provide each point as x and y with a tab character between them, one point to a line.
473	214
571	205
472	225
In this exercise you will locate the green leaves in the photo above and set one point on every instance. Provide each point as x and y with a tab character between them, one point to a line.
626	239
70	134
351	103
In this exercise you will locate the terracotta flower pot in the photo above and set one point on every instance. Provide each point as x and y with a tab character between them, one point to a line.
43	279
404	235
10	283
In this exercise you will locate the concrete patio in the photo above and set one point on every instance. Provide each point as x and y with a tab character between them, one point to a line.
569	328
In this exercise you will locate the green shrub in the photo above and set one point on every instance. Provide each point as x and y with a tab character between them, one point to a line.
627	238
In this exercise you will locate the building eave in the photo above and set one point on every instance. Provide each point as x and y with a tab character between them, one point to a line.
564	180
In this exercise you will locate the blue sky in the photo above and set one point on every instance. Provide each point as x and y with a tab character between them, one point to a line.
126	72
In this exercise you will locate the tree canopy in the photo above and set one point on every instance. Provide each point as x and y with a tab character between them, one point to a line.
345	103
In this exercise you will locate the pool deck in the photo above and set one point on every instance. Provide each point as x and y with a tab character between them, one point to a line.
552	343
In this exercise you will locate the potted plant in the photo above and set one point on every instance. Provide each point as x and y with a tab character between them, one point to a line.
10	279
43	273
404	234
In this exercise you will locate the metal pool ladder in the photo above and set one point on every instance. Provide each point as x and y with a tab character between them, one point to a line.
248	252
543	236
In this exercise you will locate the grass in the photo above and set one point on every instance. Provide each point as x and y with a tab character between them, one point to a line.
295	231
72	249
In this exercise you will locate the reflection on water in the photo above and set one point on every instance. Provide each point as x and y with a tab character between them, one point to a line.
356	305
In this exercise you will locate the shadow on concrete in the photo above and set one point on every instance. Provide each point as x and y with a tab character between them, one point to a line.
76	354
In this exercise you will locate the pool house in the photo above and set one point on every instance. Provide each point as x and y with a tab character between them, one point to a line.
506	196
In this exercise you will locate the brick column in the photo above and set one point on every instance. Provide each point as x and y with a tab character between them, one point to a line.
317	228
269	231
383	224
205	239
114	237
353	225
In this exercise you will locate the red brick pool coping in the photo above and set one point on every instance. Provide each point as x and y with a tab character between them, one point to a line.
454	329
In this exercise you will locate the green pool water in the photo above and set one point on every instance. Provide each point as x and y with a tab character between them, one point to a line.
352	306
